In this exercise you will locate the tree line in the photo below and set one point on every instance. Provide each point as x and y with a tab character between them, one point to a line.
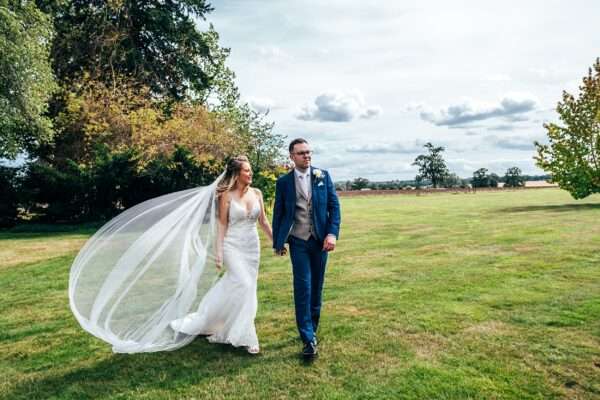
481	178
115	102
433	170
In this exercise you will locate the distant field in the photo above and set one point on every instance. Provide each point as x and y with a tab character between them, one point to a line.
540	183
494	295
413	191
535	184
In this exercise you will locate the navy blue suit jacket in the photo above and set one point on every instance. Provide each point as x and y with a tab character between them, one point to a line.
325	206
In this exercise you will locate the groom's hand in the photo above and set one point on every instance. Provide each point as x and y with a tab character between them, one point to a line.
281	252
329	243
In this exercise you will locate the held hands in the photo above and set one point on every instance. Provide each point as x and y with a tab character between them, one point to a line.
329	243
281	252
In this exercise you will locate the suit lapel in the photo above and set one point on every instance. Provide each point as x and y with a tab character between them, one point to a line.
292	184
313	186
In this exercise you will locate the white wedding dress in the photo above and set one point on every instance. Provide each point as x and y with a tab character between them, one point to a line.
152	268
226	313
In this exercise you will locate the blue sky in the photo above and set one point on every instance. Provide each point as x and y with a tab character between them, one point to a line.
369	82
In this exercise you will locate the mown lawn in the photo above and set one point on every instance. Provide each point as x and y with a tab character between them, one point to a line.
469	296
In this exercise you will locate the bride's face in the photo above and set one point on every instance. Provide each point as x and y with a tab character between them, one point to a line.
245	177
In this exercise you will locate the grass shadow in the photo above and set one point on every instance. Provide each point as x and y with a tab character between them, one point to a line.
33	230
122	373
552	208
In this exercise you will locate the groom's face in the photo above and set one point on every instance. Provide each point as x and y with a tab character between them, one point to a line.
300	155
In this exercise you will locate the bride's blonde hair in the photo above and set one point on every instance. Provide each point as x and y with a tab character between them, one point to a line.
232	173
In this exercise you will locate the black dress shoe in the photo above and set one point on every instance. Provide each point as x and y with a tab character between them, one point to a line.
310	349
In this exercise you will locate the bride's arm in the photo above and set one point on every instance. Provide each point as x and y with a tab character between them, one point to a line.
222	226
262	219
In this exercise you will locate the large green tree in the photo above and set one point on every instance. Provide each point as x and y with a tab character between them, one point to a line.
147	106
431	165
360	183
9	199
514	177
481	178
26	80
572	155
155	42
452	180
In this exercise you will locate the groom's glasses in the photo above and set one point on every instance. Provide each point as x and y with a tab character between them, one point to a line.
304	153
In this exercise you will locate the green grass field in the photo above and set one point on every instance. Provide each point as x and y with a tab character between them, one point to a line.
470	296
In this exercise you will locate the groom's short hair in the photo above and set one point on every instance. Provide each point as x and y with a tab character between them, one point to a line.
295	142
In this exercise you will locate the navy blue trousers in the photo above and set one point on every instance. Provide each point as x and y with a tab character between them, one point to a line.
308	264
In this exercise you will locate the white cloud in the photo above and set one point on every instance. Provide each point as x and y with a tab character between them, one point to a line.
523	143
260	104
337	161
338	107
382	148
273	54
373	170
497	78
551	74
501	127
511	107
415	106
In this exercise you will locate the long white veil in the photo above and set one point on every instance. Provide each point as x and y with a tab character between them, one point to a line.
146	267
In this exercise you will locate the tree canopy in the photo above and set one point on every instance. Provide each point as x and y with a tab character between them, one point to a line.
514	177
144	104
155	42
481	178
431	165
572	154
26	80
360	183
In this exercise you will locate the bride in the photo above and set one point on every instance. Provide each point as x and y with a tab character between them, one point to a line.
176	266
227	312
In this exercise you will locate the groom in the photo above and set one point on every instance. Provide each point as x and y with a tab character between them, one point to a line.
306	215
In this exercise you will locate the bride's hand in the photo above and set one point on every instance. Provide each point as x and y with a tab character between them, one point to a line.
281	252
219	262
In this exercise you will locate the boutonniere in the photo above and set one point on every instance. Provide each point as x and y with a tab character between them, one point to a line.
318	175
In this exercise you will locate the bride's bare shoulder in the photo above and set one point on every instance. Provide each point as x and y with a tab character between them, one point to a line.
225	197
